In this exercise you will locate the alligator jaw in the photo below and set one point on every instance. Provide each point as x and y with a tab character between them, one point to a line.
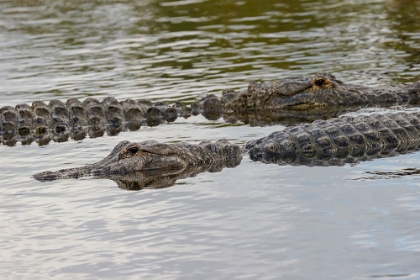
61	174
102	170
95	169
305	106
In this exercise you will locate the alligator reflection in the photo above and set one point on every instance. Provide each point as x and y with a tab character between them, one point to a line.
158	179
380	175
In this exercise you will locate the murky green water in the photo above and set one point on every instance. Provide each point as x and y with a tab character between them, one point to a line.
255	221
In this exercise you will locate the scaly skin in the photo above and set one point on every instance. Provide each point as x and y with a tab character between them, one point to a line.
76	119
321	90
60	117
340	140
305	98
153	158
332	142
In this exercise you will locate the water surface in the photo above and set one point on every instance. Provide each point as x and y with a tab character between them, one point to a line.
255	221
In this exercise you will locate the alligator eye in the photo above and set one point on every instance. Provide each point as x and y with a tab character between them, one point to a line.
133	150
320	82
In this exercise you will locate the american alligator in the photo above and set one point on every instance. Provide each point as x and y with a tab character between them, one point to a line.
318	97
153	164
331	142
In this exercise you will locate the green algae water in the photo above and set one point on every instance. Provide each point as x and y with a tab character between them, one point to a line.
254	221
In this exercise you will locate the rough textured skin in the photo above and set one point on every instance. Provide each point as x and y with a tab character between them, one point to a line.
287	101
91	112
152	164
331	142
340	140
321	90
76	119
150	156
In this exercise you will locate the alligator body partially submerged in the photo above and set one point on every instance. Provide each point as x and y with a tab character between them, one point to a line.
302	98
332	142
76	119
340	140
320	90
153	164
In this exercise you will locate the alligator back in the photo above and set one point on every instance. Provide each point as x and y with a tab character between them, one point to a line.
76	119
340	140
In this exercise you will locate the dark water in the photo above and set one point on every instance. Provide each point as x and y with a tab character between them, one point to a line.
255	221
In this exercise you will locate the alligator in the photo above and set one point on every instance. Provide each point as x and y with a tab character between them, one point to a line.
154	164
335	141
298	98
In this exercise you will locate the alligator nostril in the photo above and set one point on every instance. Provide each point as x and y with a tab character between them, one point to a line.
133	150
320	82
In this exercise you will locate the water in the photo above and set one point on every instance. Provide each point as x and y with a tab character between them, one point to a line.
255	221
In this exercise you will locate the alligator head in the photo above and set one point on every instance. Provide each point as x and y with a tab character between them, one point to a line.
140	161
298	93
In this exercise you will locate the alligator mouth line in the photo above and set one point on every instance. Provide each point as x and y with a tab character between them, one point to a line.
306	105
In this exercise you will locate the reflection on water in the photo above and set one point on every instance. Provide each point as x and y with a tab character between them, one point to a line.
376	175
158	179
255	221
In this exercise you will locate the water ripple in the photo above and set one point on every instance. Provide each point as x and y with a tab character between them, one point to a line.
255	221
